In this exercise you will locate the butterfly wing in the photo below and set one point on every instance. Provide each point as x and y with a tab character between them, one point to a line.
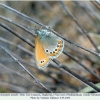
52	44
41	57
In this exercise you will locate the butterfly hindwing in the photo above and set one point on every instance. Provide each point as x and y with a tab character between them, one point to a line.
52	44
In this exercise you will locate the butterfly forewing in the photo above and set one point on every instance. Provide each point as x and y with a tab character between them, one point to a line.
41	57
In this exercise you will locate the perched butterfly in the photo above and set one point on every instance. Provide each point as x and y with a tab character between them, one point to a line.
47	47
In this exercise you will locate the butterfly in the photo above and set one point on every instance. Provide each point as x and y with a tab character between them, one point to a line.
47	47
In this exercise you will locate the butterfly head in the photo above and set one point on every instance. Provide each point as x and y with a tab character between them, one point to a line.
41	32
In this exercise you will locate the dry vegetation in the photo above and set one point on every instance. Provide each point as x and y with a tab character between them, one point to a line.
85	33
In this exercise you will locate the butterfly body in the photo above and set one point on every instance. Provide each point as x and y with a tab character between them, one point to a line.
48	47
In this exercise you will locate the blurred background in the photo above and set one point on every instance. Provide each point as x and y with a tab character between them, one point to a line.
14	79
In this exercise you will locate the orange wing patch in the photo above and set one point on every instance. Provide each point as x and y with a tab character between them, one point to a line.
41	57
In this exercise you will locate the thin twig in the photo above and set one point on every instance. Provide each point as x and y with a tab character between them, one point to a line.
95	3
23	15
84	31
77	45
17	61
18	25
18	46
75	75
40	71
17	73
27	63
33	46
16	34
4	18
90	71
12	87
91	14
84	48
81	55
30	64
47	27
